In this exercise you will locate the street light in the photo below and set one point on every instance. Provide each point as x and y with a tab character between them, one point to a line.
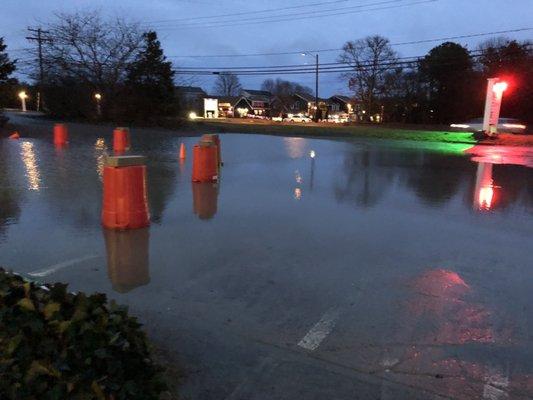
98	98
23	96
316	84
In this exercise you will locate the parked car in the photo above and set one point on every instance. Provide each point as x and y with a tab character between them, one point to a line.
297	118
339	119
507	125
256	116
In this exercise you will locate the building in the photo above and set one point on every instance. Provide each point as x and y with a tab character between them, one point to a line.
339	104
255	102
297	103
191	99
226	106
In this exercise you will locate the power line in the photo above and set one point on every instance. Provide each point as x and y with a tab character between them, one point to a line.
322	15
235	69
337	49
247	12
337	10
394	64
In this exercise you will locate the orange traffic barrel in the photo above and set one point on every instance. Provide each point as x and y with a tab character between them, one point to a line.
125	201
216	140
121	140
205	199
127	258
204	163
14	135
60	134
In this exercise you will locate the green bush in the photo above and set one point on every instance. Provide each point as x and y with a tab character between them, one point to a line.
59	345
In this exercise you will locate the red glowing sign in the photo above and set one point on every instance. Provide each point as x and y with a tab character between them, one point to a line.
500	87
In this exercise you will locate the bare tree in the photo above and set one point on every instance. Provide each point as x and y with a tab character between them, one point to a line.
284	90
227	84
370	59
86	47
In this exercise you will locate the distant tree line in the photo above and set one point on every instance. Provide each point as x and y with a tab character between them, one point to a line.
448	84
107	69
87	54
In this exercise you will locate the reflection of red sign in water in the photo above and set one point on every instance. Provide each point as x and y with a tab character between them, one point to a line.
484	193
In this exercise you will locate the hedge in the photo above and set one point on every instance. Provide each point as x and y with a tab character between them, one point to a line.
60	345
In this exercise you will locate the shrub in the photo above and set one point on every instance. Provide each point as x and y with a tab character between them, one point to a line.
59	345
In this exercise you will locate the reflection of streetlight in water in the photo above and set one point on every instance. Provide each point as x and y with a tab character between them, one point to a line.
32	169
100	153
312	154
295	146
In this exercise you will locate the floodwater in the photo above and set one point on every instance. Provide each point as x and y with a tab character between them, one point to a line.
315	269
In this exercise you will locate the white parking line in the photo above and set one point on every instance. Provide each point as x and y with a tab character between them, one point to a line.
319	331
496	383
56	267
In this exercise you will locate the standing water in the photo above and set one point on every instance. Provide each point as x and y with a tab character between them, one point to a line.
313	269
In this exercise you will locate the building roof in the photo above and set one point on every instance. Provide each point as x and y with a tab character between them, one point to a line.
228	99
262	93
190	89
341	97
307	97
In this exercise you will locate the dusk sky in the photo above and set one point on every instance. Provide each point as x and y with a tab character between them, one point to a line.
184	30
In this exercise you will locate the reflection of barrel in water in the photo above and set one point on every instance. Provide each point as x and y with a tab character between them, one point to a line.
205	199
127	258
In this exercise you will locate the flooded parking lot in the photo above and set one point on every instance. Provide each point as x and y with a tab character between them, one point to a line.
314	268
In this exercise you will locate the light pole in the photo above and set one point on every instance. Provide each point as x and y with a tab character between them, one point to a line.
98	98
316	84
23	96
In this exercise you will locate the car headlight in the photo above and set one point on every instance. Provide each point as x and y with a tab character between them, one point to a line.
514	126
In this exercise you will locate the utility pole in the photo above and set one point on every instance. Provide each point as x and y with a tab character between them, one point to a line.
37	35
316	89
316	85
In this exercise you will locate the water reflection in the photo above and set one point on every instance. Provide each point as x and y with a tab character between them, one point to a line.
454	339
205	199
161	185
127	258
295	146
9	196
484	191
312	172
100	150
30	163
372	175
502	155
362	181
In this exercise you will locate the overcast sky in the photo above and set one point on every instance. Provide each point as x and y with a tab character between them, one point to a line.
303	27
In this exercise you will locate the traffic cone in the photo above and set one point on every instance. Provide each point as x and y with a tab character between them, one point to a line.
14	135
183	153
